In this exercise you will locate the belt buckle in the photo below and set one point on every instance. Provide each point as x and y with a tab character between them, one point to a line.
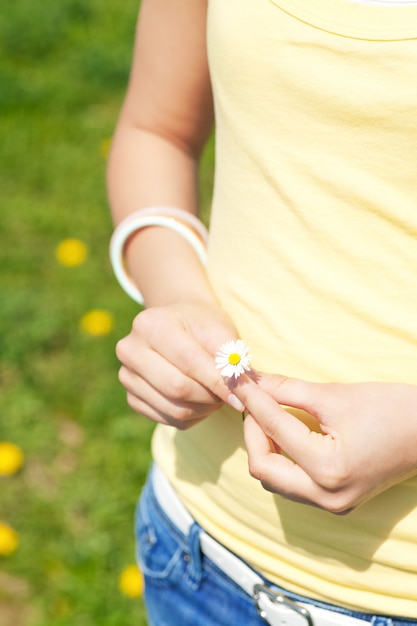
279	598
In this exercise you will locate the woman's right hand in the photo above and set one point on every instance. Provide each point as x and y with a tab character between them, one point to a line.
168	367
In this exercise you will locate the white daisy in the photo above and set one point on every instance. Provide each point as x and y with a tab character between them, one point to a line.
233	359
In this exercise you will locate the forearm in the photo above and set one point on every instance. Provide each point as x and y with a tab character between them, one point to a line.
165	121
166	269
146	169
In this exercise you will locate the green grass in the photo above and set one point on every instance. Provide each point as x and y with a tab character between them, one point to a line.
63	70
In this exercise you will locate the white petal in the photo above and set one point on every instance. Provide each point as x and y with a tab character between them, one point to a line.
228	371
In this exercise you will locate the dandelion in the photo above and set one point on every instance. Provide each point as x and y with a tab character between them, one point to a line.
97	322
71	252
11	458
131	582
9	539
233	359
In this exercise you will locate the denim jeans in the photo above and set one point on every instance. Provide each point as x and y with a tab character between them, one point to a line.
184	588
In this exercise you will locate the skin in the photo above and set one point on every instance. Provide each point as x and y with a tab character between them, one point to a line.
165	121
369	430
367	441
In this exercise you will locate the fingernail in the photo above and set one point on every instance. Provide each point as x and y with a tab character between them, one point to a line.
235	403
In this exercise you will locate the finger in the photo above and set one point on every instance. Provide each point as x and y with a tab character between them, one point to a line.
193	360
159	406
320	455
183	352
283	476
255	438
276	472
143	408
162	375
294	392
285	429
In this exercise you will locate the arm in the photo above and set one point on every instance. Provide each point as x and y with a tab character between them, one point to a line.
365	441
164	123
167	359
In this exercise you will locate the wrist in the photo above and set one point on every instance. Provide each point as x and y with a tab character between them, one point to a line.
164	257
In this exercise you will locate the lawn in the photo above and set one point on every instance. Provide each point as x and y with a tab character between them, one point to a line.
63	71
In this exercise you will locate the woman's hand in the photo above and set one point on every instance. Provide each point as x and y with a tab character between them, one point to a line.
168	363
367	443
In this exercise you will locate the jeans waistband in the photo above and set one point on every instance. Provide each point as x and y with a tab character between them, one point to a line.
274	605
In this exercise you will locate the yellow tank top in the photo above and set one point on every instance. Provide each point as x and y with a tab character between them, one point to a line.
313	251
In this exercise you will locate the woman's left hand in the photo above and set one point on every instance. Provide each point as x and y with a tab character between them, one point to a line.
367	443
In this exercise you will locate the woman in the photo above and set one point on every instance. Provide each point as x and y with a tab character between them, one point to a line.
307	514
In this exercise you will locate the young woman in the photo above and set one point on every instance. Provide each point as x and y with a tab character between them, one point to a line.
307	512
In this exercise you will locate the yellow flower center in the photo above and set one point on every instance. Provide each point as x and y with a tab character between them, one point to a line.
234	358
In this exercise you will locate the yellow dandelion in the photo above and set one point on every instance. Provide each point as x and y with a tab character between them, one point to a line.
71	252
11	458
131	582
97	322
9	539
105	147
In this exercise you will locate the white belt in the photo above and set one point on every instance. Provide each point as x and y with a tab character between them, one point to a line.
273	606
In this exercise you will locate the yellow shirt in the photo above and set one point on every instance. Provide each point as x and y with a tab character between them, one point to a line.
313	251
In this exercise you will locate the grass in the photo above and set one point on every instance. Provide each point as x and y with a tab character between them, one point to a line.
63	71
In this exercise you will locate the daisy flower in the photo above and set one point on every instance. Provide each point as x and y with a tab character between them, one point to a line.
233	359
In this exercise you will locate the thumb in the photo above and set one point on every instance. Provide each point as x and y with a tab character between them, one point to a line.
280	425
263	401
293	392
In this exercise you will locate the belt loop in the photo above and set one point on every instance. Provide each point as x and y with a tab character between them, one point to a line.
194	572
381	621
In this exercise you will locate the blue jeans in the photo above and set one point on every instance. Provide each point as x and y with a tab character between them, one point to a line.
184	588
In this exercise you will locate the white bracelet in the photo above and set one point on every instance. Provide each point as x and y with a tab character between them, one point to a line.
178	220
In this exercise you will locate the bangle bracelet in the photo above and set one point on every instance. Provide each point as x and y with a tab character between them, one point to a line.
178	220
